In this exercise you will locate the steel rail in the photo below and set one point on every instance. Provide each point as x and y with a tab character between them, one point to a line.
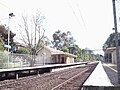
69	79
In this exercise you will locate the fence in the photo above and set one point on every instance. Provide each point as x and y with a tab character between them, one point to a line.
12	60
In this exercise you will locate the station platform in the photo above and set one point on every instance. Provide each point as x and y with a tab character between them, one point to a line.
98	77
36	70
111	70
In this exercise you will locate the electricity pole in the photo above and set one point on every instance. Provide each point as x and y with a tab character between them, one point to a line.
116	40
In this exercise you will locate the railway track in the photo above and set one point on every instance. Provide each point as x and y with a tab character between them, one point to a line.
69	80
51	81
75	82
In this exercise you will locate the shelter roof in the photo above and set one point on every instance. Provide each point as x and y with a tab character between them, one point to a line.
55	52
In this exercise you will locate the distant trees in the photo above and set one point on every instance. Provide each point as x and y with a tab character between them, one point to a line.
64	41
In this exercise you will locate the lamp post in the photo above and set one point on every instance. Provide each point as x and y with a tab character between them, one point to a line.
10	15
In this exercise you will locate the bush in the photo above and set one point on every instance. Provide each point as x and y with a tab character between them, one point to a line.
1	47
3	60
65	49
23	51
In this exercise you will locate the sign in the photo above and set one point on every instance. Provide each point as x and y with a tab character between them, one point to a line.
7	46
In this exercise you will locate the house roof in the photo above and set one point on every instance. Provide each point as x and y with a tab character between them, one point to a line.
19	44
55	52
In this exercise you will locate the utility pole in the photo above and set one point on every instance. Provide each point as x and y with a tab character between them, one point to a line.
116	40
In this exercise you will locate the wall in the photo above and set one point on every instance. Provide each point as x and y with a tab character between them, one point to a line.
70	60
43	57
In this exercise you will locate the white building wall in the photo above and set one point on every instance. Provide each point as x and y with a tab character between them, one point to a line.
43	58
70	60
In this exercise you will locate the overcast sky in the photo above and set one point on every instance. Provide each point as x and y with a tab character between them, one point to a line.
90	21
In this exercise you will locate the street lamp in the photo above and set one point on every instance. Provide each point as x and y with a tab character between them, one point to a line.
10	15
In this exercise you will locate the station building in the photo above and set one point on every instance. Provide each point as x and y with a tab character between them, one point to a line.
110	55
48	55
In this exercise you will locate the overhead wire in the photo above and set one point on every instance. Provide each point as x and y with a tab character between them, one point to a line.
4	5
81	17
84	24
74	12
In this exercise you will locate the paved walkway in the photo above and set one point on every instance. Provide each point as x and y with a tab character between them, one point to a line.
98	77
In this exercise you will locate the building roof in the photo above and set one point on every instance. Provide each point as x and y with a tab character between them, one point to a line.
111	49
55	52
69	54
19	44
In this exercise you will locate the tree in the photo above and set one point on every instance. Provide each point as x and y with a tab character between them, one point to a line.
4	37
57	42
62	40
32	31
31	28
64	49
110	42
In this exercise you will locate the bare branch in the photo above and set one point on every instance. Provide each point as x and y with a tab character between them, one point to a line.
26	28
29	30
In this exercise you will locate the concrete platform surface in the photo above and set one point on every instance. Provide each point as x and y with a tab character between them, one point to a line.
112	73
98	77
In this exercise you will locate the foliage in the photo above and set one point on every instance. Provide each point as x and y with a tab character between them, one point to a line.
86	55
62	40
64	49
1	46
65	42
110	42
23	51
4	39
